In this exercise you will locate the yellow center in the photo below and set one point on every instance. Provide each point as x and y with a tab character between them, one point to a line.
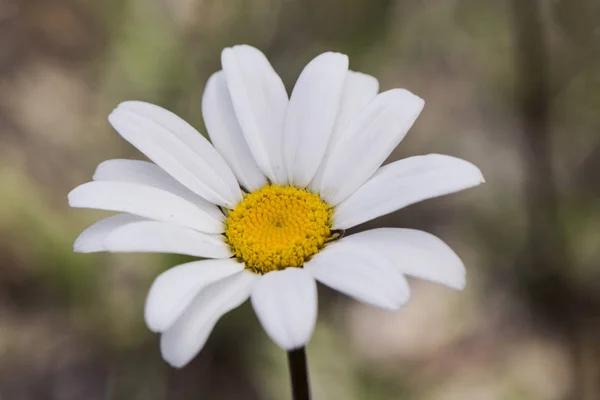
278	227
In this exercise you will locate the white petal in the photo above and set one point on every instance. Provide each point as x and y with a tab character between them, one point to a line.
405	182
92	239
144	201
413	252
286	305
160	237
130	233
311	116
359	90
149	174
361	272
173	290
179	149
260	101
367	141
226	134
184	339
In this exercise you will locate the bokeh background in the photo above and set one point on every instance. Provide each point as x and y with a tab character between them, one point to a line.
511	85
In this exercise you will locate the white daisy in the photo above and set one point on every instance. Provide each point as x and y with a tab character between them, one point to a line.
266	203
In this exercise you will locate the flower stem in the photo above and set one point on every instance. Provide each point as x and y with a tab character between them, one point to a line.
299	374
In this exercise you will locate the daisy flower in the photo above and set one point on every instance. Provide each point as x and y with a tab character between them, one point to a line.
265	205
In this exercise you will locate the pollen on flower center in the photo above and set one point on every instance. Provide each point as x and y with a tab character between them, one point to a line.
277	227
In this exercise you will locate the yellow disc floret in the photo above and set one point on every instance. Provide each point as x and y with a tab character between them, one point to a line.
278	227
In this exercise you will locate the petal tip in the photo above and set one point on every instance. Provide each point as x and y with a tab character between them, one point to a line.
173	361
403	98
114	116
79	247
460	284
340	56
71	197
133	104
394	305
366	77
405	94
244	46
478	175
332	58
152	323
226	52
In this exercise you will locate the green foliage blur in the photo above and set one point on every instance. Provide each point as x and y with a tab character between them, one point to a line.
510	85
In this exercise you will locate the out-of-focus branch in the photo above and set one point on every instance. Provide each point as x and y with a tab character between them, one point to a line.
546	233
542	275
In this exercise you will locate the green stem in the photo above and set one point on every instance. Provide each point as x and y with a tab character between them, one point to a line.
299	374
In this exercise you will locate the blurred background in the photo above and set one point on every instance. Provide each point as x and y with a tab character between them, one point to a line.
511	85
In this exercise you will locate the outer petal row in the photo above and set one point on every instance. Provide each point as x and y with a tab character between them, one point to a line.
148	174
370	265
311	116
378	251
179	149
360	272
359	90
186	301
260	102
295	142
130	233
174	290
286	305
161	214
369	137
405	182
184	339
226	134
145	201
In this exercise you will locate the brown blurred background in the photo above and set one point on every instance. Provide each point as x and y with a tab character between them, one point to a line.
511	85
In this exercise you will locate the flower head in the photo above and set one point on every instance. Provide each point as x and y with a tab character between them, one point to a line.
265	203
